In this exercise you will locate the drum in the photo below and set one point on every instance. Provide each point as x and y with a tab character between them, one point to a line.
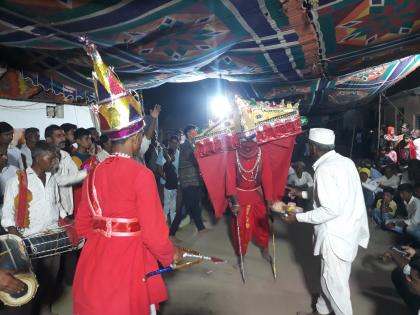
52	242
13	256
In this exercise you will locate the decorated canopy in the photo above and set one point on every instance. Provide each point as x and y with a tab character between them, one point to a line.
325	52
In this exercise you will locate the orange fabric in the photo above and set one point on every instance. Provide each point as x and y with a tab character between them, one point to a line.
22	201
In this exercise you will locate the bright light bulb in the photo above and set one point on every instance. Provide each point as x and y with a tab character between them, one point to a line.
220	106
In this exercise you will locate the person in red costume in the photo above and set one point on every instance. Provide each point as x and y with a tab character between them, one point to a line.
109	274
249	188
120	214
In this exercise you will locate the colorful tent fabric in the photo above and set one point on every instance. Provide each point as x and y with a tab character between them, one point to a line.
355	88
276	45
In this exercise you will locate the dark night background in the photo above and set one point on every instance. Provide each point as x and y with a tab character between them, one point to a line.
188	103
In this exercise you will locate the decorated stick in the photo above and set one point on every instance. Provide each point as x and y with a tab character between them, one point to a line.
188	253
215	260
241	265
274	257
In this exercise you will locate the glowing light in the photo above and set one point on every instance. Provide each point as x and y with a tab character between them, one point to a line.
220	106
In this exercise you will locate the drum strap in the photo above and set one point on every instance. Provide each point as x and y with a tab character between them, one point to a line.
22	201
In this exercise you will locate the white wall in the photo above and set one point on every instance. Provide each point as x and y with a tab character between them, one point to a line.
25	114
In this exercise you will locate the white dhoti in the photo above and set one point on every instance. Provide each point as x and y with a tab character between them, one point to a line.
335	274
153	309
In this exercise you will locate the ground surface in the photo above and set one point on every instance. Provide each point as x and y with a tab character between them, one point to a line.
208	289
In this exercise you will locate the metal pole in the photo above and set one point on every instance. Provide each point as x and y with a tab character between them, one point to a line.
352	140
379	123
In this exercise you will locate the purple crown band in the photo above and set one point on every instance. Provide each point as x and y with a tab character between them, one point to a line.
127	131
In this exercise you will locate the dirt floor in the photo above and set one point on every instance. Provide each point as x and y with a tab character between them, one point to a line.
208	289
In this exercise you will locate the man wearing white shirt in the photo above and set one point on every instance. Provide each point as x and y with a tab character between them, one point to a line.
34	208
412	223
300	178
31	139
388	180
339	218
67	174
416	142
6	172
6	138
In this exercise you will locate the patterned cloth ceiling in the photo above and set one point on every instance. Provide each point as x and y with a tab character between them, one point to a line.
284	48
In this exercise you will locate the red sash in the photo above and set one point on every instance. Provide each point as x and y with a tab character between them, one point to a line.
22	201
105	225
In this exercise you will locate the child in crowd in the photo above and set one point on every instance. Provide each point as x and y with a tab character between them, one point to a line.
171	185
385	208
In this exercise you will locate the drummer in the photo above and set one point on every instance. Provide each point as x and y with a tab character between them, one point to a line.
31	206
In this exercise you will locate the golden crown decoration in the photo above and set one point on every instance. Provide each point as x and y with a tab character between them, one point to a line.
264	120
117	111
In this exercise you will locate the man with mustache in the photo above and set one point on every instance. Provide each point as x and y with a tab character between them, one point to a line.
67	174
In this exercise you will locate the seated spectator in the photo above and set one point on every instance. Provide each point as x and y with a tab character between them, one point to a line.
31	139
385	208
84	144
391	154
411	224
300	179
406	277
374	172
388	180
171	185
368	187
383	160
6	137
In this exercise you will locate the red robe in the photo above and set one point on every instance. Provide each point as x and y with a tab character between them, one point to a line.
252	191
253	220
77	189
109	274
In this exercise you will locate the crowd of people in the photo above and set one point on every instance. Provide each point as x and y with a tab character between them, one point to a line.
41	188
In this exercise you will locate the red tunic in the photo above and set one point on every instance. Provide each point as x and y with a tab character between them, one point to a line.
252	190
109	274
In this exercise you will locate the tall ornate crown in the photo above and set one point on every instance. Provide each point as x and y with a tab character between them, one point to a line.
256	114
118	112
267	121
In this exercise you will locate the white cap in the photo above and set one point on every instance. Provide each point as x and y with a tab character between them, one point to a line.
322	135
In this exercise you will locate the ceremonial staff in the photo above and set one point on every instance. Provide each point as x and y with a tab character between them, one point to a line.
241	257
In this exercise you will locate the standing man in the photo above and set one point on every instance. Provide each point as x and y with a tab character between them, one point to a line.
84	142
32	206
67	173
189	177
339	219
416	142
249	186
6	172
69	130
6	138
31	139
120	214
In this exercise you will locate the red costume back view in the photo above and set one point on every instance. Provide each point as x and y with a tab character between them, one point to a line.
120	215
